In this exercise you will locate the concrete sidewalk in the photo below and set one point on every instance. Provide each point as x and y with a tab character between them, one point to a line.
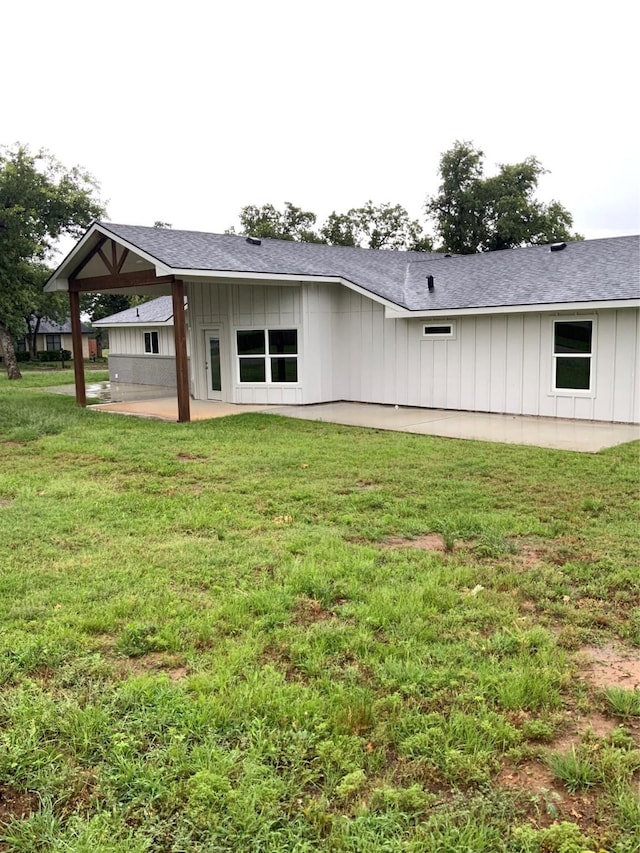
583	436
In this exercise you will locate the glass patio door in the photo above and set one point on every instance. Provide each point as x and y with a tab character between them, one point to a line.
213	364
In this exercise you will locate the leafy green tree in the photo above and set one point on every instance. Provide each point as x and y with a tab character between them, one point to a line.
40	201
383	226
54	306
473	213
292	223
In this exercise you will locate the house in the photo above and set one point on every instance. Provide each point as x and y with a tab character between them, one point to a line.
142	362
543	330
53	337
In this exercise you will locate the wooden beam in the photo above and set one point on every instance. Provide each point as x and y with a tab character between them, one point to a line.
114	257
180	339
124	279
105	261
76	338
123	258
86	260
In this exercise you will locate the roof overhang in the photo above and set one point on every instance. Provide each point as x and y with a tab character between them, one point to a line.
95	234
395	312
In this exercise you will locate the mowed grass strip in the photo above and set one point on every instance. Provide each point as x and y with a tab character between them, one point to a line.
256	634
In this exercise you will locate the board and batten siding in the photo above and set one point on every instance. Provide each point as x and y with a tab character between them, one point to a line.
229	306
495	363
130	341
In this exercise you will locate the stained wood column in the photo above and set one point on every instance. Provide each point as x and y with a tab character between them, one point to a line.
76	338
180	339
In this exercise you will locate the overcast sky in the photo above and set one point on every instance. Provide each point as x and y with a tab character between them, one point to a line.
187	111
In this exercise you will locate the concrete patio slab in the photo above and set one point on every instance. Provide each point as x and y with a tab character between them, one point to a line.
166	409
582	436
555	433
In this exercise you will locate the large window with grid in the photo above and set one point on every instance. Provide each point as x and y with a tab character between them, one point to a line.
573	355
267	355
53	343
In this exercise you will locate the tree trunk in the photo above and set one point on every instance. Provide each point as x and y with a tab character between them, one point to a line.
32	336
9	355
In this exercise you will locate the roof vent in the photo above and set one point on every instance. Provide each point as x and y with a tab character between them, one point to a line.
430	282
557	247
254	241
447	255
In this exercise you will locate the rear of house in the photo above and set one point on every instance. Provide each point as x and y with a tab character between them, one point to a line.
551	331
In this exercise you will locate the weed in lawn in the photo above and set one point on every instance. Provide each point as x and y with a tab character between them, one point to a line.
624	703
574	768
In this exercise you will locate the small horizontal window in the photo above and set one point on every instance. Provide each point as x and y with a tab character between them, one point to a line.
439	330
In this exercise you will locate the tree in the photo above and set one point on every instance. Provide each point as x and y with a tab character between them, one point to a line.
472	213
40	200
292	223
383	226
54	306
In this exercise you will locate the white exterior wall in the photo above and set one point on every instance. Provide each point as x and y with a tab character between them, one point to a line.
231	306
495	363
130	341
347	350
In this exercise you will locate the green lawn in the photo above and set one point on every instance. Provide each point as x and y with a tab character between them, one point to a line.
256	634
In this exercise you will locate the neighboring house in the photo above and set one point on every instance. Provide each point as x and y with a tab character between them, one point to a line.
53	337
543	330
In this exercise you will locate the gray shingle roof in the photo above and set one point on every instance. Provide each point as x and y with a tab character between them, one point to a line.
158	310
50	327
588	271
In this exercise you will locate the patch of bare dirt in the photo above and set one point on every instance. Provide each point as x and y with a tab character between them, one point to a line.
190	457
428	542
550	801
530	556
611	665
158	662
593	724
17	804
310	610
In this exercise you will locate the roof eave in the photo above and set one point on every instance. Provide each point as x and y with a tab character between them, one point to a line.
396	312
59	280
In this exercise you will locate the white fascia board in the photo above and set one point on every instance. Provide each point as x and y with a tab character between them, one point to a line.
284	278
289	278
395	312
136	325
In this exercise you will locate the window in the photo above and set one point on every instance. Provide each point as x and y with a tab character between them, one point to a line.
439	330
53	343
21	345
151	345
572	355
268	355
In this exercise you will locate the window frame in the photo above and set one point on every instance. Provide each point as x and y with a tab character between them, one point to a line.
591	356
151	350
439	336
267	356
50	338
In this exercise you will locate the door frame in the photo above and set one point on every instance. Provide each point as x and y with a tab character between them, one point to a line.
215	330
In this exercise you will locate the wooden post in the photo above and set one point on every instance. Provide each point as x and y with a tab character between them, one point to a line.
76	338
180	339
